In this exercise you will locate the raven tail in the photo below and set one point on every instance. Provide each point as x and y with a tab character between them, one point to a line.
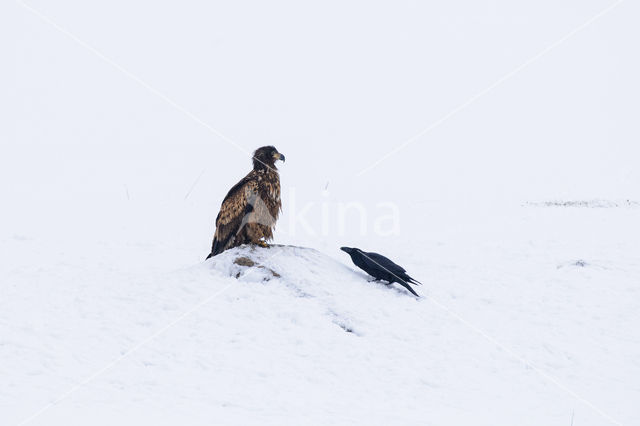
414	281
408	287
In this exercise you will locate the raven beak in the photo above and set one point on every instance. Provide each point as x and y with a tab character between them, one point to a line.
279	156
345	249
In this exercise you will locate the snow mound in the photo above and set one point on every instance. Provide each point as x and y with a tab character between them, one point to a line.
306	273
289	335
302	268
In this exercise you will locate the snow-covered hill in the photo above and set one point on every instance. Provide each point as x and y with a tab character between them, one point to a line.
288	335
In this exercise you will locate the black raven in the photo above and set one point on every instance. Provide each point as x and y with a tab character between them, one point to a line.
381	268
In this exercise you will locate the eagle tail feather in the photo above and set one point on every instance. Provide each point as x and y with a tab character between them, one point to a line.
215	248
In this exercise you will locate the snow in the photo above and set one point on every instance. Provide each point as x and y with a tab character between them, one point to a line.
495	330
519	213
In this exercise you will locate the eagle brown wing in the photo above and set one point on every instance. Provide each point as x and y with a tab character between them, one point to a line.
235	206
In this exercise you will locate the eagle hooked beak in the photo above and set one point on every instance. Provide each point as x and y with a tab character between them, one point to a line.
278	156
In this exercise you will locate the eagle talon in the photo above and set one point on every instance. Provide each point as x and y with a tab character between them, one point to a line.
263	244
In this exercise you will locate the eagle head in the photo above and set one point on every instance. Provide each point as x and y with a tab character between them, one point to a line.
266	157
